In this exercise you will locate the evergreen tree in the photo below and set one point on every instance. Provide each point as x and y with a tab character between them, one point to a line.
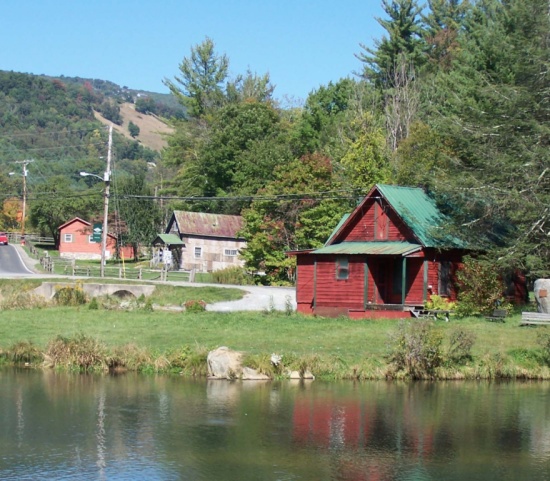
404	40
133	129
442	27
250	87
202	74
493	110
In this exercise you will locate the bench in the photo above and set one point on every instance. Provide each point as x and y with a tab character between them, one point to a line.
534	319
432	313
498	315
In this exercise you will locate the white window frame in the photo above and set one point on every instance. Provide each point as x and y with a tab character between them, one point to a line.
197	252
68	238
231	252
91	239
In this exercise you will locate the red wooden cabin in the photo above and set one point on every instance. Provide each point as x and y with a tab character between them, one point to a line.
76	242
383	260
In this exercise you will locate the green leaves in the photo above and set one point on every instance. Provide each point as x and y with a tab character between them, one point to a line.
199	86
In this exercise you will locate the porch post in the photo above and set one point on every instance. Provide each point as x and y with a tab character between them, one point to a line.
404	281
425	288
315	283
366	285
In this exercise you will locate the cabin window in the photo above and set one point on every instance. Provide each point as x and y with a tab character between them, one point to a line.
198	252
67	238
230	252
342	268
444	288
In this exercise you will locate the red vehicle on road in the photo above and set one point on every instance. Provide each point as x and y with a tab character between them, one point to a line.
3	238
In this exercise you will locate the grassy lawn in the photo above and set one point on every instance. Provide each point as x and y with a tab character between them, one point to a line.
253	332
499	347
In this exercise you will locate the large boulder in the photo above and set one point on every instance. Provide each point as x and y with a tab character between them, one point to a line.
224	363
542	295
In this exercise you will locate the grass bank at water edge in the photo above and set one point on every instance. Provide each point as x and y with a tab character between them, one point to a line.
79	338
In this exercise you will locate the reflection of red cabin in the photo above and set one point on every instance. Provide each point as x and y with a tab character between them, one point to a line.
75	242
382	260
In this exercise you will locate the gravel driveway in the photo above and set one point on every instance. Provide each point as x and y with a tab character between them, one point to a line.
259	298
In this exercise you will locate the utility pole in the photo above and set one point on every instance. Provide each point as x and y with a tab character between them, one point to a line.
107	180
25	172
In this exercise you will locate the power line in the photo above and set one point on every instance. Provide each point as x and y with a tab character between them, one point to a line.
45	133
339	195
250	198
67	146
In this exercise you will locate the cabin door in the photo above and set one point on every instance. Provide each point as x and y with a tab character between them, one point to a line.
388	280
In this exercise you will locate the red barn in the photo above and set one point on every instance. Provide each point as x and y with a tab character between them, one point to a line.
383	260
75	242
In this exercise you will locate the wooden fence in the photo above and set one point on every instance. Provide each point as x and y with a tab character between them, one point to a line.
70	267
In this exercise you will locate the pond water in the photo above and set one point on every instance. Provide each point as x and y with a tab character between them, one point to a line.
86	427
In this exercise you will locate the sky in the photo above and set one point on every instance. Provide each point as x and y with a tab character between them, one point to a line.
302	44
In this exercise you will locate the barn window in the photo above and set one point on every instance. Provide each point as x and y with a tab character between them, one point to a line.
444	288
198	252
342	268
67	238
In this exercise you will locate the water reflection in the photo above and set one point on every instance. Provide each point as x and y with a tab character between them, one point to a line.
60	426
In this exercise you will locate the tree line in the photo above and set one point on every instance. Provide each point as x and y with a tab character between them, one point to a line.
453	98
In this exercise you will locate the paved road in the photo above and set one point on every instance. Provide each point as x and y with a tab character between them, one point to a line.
11	262
15	263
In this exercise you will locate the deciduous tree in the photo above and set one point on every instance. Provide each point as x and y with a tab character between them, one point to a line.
289	219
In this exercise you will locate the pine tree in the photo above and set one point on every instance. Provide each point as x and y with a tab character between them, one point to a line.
199	87
404	40
493	107
442	26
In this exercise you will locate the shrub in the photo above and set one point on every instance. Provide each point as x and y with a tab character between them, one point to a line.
439	303
81	353
131	357
232	275
194	305
460	345
415	349
70	296
24	353
481	288
147	306
543	340
23	300
289	308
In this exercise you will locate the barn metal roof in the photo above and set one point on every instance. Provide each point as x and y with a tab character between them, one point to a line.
420	213
208	225
371	248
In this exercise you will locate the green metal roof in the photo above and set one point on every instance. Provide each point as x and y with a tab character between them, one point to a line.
378	248
168	239
337	228
420	213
